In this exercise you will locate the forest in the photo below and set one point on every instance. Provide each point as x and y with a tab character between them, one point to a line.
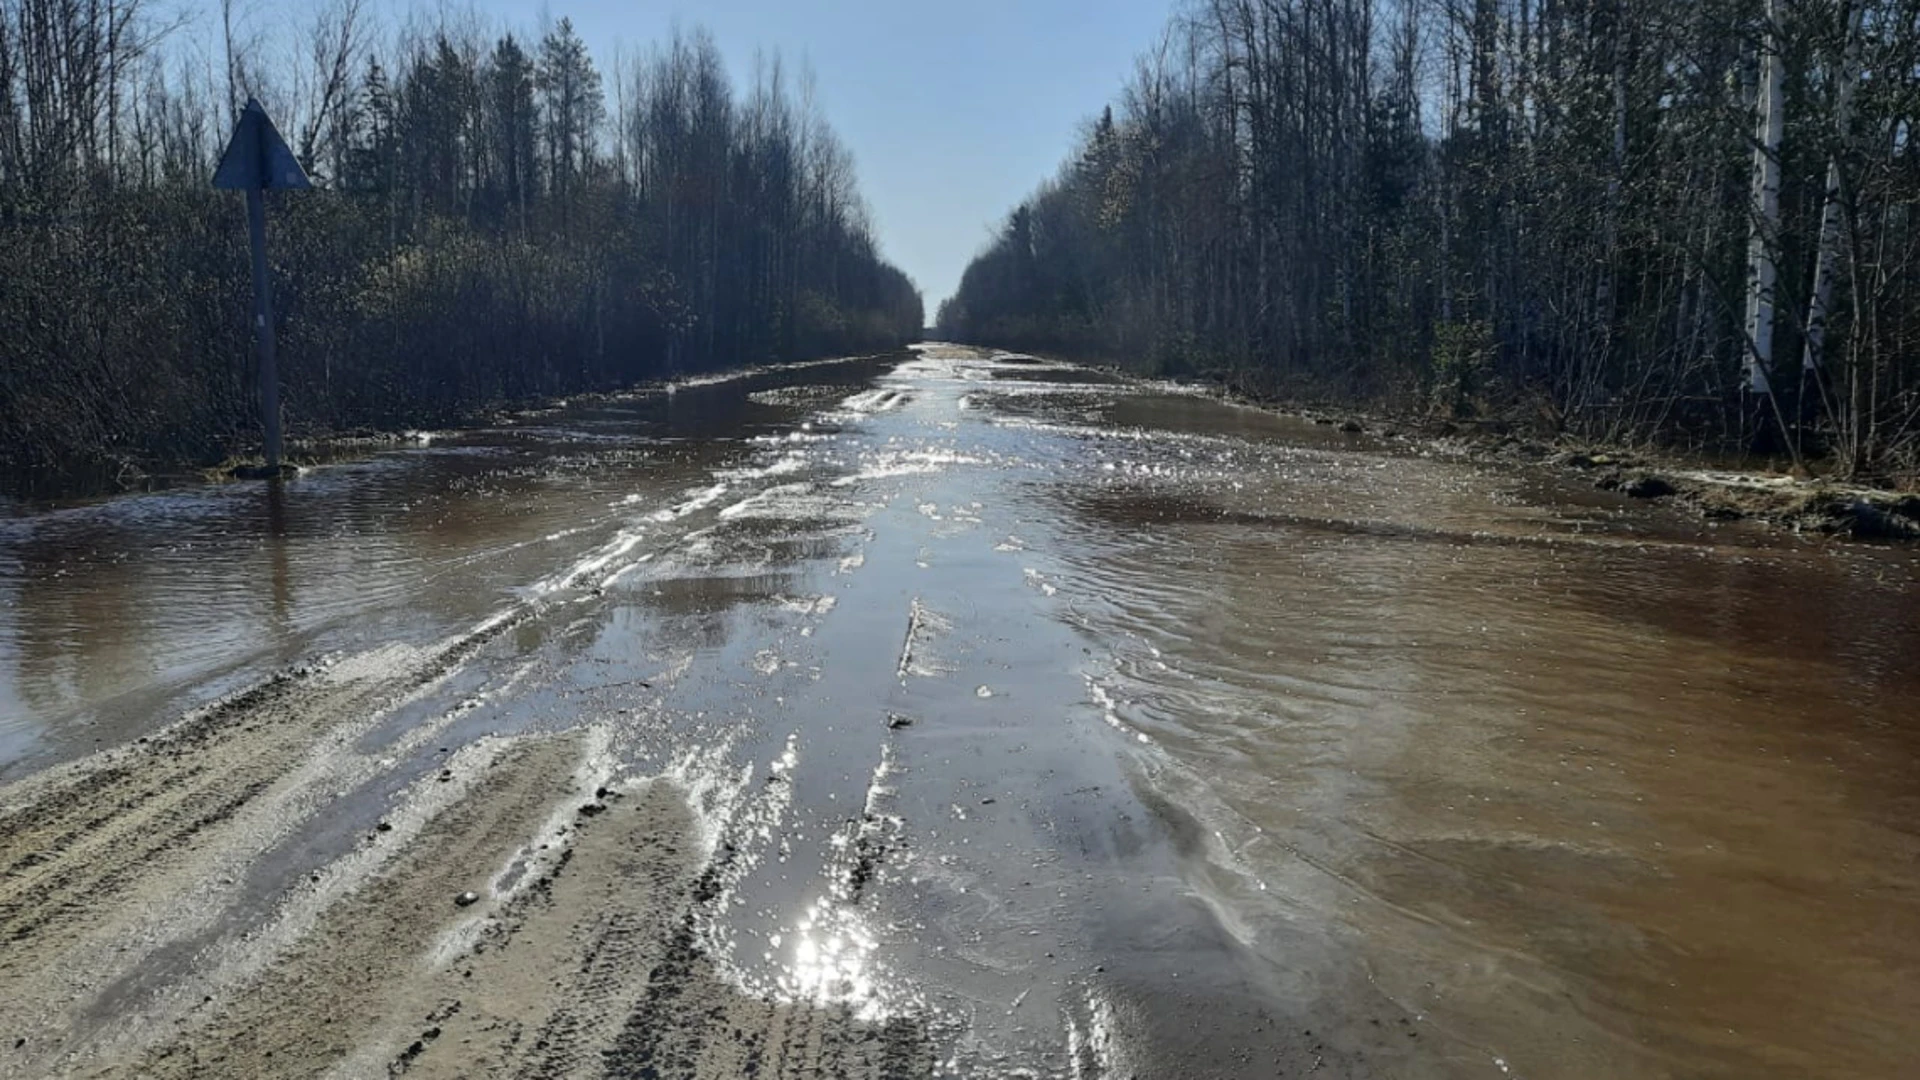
1690	224
494	218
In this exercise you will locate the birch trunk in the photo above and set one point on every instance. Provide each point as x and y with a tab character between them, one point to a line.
1603	307
1762	271
1826	268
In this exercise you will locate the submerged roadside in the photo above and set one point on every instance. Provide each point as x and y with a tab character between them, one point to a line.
1770	491
219	457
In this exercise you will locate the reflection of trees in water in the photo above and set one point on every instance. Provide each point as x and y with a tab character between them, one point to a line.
1768	610
95	595
701	608
735	405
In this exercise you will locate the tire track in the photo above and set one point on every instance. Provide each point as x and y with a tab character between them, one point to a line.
108	860
593	965
361	978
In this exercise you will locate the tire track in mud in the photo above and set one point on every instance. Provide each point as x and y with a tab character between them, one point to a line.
797	1032
592	964
103	861
615	898
732	1034
363	976
582	956
43	827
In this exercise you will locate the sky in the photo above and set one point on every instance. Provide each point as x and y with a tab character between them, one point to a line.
955	110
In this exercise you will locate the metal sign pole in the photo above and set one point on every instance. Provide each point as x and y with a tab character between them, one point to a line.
256	159
263	326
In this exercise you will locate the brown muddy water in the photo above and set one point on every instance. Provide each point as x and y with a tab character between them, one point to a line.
948	714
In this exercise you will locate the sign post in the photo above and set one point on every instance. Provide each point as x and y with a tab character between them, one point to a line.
256	159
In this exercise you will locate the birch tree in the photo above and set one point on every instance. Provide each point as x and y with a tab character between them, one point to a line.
1594	215
1762	268
1826	269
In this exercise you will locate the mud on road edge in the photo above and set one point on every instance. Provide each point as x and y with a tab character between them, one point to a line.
110	859
1815	506
589	965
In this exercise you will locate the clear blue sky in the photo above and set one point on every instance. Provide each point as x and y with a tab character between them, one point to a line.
954	109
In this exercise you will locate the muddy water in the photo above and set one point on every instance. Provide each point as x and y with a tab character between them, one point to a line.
950	714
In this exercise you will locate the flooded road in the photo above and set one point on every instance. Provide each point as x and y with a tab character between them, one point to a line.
948	714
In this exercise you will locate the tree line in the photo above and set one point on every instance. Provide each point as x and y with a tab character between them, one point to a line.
495	218
1623	219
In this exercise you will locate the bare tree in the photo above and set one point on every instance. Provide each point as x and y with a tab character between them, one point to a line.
335	41
1527	207
472	244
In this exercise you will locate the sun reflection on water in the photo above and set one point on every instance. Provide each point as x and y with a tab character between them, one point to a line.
833	951
834	943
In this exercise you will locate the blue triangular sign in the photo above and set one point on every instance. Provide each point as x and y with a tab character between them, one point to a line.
257	157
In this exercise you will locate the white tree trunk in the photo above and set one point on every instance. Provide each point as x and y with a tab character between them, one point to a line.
1826	268
1761	269
1603	306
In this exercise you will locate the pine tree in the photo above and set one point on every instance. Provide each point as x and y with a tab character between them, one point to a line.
513	128
572	106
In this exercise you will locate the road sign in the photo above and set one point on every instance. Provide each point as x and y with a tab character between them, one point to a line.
256	159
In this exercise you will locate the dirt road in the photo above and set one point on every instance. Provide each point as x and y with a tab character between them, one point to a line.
949	714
